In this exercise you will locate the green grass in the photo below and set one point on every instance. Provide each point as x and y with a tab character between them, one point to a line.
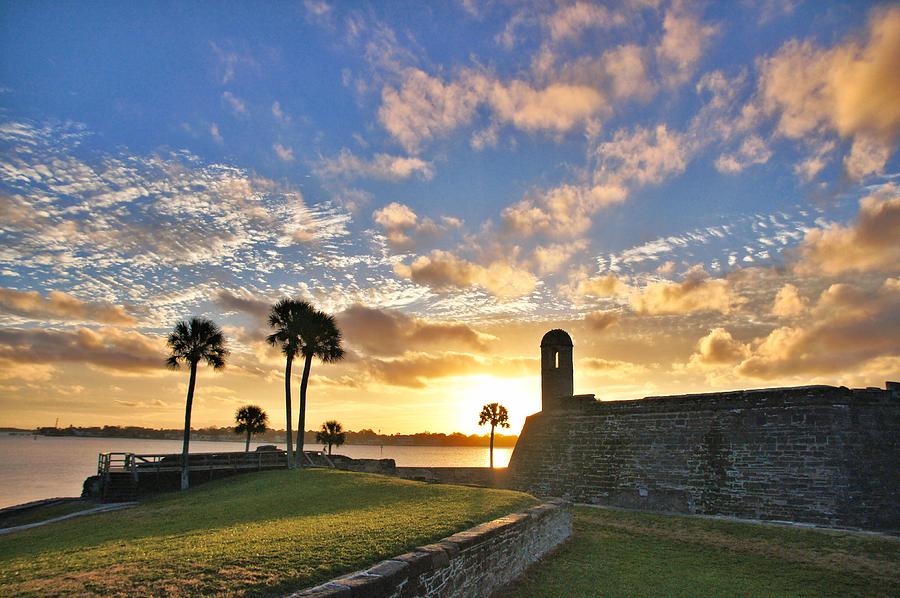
45	512
621	553
256	534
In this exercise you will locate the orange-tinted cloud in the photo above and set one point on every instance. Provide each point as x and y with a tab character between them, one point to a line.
684	39
388	332
717	348
848	327
442	270
561	212
568	22
60	306
789	302
872	243
615	369
404	228
601	320
697	292
557	107
109	348
381	166
550	258
31	372
414	370
851	88
243	301
604	285
425	107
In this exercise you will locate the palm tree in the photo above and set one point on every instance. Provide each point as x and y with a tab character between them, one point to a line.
252	420
193	341
286	317
332	433
320	338
496	415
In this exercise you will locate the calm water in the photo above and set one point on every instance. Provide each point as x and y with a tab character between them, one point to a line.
35	467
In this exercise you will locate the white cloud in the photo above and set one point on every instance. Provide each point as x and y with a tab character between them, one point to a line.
215	134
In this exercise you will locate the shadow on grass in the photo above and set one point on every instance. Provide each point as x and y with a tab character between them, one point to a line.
258	533
618	553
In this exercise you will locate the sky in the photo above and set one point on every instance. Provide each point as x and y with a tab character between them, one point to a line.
704	195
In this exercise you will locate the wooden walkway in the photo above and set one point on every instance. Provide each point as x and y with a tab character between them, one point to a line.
121	473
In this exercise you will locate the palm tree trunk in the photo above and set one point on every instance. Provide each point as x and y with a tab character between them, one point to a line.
185	475
289	442
301	424
247	447
492	446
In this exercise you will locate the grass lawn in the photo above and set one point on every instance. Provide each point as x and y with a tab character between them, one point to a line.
620	553
46	512
255	534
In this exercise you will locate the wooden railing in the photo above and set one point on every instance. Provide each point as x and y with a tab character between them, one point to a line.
137	464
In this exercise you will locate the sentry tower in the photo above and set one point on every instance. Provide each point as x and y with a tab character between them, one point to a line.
556	369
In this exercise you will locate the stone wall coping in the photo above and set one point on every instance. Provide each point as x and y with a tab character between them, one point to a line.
379	579
738	399
449	468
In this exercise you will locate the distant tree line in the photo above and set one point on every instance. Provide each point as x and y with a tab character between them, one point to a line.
364	436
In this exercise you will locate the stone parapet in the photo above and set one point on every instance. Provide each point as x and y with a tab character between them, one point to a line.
469	476
472	563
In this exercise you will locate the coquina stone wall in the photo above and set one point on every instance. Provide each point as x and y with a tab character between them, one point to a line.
470	476
816	454
469	564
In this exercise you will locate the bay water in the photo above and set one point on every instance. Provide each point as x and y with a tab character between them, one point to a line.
37	467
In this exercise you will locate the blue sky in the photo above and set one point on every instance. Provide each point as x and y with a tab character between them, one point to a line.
471	173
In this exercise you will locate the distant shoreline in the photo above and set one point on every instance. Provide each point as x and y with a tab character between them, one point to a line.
504	442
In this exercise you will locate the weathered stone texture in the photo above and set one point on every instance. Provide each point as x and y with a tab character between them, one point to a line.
472	563
816	454
471	476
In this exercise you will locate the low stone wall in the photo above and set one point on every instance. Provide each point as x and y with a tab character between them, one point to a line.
472	563
472	476
382	466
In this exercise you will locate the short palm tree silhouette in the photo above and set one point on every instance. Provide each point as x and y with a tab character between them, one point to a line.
191	342
331	434
496	415
252	420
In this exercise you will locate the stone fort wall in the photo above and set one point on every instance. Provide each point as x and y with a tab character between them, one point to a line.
816	454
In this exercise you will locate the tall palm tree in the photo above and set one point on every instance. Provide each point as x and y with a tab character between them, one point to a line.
252	420
320	338
331	434
496	415
193	341
286	317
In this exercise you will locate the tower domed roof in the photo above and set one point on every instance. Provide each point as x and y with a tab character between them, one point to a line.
556	338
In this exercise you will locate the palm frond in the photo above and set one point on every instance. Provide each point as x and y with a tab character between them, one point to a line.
196	340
